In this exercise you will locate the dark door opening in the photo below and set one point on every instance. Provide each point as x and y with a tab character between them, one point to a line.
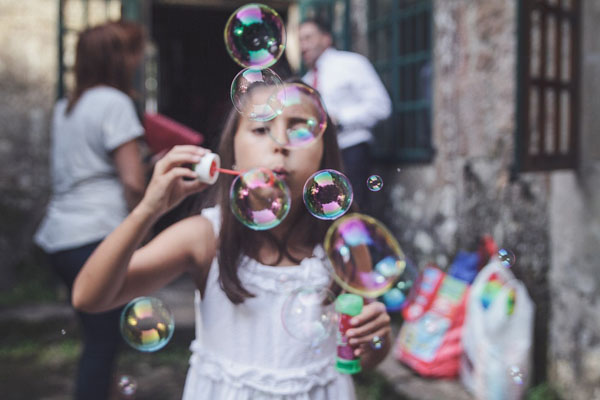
194	76
195	70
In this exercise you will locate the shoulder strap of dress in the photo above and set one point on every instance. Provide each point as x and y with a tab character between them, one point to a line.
213	214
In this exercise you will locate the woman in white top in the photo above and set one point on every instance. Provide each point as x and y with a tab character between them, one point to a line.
241	349
97	177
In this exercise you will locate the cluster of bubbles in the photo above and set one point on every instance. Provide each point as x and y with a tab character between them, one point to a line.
308	314
364	256
327	194
395	299
259	199
127	386
147	324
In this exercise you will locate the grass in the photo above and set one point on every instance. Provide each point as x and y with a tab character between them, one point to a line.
543	391
38	360
35	283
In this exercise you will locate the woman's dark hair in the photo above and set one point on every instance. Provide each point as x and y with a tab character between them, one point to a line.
236	240
101	59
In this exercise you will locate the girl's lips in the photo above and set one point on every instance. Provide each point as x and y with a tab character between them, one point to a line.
281	172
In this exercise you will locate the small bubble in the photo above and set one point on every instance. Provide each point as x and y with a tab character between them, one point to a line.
127	385
374	183
507	257
63	332
328	194
397	169
376	343
516	374
147	324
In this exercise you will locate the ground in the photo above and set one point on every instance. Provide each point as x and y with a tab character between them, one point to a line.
40	344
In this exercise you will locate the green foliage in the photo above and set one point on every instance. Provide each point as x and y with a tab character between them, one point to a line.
543	391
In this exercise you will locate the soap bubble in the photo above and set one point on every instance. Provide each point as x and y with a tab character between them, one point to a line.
395	298
309	121
376	343
258	94
308	314
127	385
507	257
259	199
374	183
365	257
516	375
327	194
255	36
147	324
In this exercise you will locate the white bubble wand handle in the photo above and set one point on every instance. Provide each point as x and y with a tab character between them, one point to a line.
209	167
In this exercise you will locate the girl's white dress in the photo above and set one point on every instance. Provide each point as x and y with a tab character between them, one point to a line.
243	351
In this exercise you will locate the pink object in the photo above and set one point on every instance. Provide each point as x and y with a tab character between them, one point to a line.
162	133
344	350
429	340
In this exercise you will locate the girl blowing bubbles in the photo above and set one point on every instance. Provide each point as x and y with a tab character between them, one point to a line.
241	350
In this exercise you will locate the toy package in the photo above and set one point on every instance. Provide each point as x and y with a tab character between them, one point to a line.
430	338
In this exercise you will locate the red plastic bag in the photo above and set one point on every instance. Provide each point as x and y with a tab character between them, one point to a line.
429	341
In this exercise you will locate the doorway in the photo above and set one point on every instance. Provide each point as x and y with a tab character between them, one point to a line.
195	70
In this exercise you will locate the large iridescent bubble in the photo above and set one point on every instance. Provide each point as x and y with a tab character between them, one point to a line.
147	324
327	194
259	199
365	257
308	314
257	94
309	116
255	36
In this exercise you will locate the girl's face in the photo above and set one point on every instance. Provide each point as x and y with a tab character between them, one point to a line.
254	146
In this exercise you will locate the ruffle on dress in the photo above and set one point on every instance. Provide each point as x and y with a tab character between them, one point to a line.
283	279
247	379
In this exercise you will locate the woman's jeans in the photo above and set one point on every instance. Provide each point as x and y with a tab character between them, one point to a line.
101	336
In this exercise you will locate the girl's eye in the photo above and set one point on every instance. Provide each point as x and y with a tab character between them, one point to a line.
260	130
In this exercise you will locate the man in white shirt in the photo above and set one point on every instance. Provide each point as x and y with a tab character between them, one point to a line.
353	94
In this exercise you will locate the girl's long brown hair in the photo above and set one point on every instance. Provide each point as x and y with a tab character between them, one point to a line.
236	240
101	59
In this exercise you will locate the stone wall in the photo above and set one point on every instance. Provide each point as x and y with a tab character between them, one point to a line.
27	87
574	353
468	190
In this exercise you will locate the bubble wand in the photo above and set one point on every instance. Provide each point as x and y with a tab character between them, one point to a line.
209	167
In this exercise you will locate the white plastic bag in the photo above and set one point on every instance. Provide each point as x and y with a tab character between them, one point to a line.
497	340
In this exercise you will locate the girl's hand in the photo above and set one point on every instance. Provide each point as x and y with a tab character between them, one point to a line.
372	321
167	188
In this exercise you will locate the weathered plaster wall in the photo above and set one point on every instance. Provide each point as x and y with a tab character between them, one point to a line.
27	83
467	191
574	354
